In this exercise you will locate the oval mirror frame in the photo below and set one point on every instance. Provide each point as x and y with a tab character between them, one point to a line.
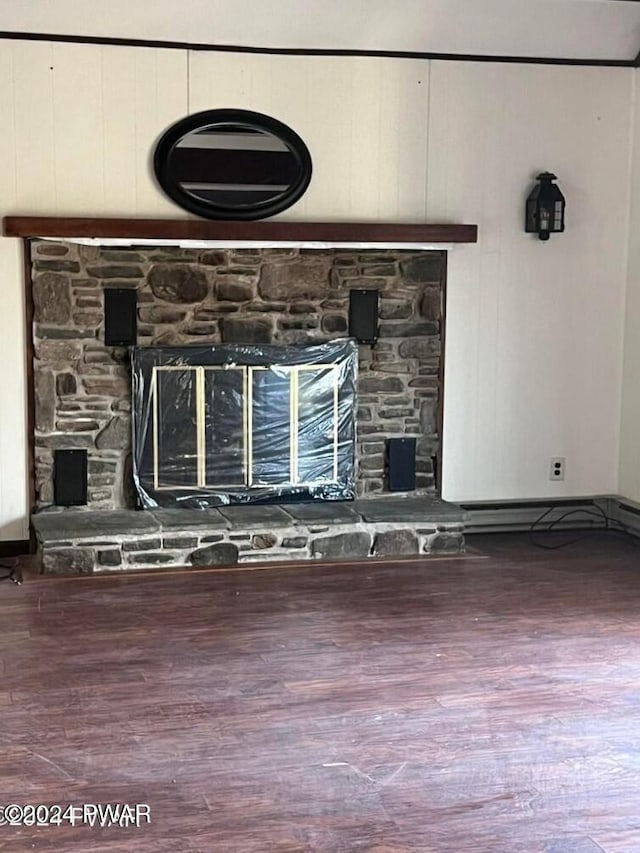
251	122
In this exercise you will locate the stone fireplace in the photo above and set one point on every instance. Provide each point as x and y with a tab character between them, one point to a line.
203	300
199	297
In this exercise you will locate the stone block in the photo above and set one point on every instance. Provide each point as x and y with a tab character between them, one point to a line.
238	272
431	303
236	330
170	338
306	278
45	401
189	519
66	384
251	516
51	249
56	266
327	512
58	352
393	329
178	283
445	543
420	348
87	302
386	414
342	546
361	283
395	309
295	542
87	319
299	322
264	307
425	382
422	269
127	256
65	442
396	543
385	269
302	308
234	291
429	416
158	314
263	541
373	447
151	559
99	496
109	557
142	545
77	425
222	554
213	259
111	271
334	324
51	299
372	463
53	333
205	330
115	436
80	524
68	561
398	510
180	542
380	384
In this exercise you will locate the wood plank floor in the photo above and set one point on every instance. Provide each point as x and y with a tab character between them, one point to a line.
481	705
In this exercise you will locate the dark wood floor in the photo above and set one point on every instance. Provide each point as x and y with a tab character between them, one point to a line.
477	705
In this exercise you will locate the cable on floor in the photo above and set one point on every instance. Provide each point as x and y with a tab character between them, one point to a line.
12	574
610	526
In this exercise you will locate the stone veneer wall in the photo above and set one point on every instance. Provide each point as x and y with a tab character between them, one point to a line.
83	395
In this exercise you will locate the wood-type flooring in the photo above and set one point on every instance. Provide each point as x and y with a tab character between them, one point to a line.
486	704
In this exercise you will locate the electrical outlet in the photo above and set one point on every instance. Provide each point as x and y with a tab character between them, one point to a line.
556	468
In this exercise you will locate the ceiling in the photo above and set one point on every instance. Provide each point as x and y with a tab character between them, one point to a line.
606	30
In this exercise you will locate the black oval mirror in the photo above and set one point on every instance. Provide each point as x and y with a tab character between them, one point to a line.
232	164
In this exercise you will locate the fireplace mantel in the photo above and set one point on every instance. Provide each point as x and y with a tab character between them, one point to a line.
198	231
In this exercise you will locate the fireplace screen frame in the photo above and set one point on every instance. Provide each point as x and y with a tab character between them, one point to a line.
333	400
247	422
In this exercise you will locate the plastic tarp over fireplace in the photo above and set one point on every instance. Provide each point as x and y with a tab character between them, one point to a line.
239	423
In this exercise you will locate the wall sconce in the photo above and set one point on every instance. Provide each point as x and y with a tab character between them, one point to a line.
545	208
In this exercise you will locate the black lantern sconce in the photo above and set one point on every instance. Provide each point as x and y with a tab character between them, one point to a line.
545	208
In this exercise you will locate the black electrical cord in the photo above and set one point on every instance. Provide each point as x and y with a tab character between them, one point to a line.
12	574
610	527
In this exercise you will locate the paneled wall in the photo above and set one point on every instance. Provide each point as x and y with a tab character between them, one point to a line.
365	121
630	431
534	331
78	125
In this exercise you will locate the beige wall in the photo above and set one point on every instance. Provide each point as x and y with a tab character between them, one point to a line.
534	334
534	330
630	431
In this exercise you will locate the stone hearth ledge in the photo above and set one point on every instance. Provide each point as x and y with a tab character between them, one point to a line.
84	541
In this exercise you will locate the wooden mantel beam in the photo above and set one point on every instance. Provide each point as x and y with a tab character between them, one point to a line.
270	231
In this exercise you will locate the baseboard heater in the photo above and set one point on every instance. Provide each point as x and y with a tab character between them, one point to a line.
504	516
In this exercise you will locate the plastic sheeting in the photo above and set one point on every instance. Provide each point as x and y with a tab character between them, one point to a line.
238	423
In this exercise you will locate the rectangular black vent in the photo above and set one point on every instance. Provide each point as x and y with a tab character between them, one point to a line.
70	478
120	317
401	459
363	315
